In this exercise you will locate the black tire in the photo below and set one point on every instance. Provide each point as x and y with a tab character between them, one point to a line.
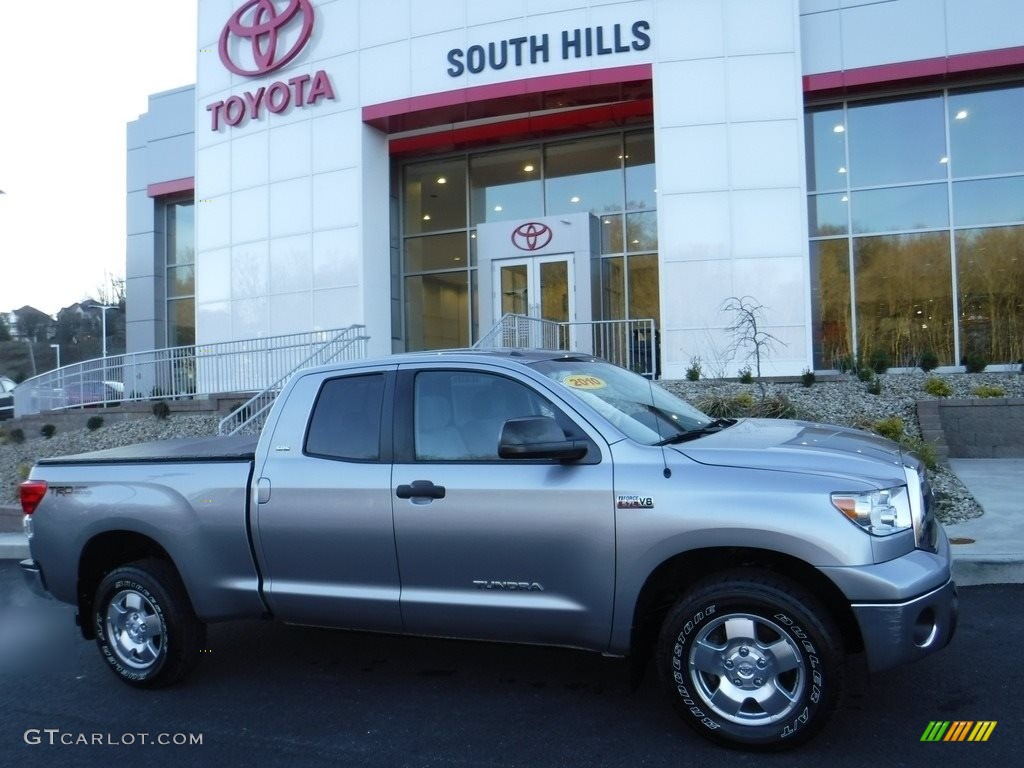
146	629
751	660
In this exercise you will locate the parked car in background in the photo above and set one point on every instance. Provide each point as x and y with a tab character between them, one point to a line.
6	398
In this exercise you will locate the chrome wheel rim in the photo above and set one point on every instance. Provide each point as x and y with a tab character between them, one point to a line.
134	629
747	669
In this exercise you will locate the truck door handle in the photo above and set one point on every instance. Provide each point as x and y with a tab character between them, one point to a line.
420	489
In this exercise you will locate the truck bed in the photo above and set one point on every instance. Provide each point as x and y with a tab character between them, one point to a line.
178	450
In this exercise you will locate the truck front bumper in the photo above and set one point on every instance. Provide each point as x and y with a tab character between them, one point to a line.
897	633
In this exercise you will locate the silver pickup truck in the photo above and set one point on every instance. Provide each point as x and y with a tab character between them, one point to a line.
517	496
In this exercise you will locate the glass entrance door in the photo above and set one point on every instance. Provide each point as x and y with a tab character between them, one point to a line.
538	287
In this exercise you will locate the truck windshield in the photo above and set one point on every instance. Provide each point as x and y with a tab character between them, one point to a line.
643	411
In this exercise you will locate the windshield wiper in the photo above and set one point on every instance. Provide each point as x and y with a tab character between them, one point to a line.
710	428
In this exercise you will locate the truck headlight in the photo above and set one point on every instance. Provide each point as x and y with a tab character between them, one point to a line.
881	513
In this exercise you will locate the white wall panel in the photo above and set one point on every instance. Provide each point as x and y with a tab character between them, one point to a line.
336	141
291	264
768	222
765	154
336	198
213	170
759	26
290	150
690	92
698	159
383	21
213	277
884	33
291	207
689	29
291	313
337	258
763	87
250	271
250	215
972	25
694	227
249	160
384	73
821	42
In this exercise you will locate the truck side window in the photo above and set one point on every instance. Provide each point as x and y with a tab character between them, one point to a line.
459	414
346	419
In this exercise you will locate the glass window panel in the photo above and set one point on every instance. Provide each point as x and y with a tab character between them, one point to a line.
985	135
181	322
514	282
825	140
827	214
830	303
611	234
435	196
346	419
900	208
643	287
506	185
181	233
990	283
436	311
642	231
896	141
904	297
613	289
988	201
584	175
181	281
423	254
554	290
641	192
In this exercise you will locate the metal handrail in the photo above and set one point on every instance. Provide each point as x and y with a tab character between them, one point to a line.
246	365
251	414
630	344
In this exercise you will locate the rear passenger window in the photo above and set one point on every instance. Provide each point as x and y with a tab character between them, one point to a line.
346	419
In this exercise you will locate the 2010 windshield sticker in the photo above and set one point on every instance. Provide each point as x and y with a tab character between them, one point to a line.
583	381
623	501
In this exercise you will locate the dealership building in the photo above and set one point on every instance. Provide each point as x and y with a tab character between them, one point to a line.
422	168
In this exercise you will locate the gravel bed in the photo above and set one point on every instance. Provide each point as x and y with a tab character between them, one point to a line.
845	401
16	459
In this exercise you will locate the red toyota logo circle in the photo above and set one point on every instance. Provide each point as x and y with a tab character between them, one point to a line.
531	236
262	28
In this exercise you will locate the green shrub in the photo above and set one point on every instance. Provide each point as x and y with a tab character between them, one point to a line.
845	364
988	391
924	450
693	372
975	362
746	375
161	409
880	362
16	436
807	377
929	361
865	374
891	427
48	430
775	407
874	387
94	423
23	472
727	406
937	387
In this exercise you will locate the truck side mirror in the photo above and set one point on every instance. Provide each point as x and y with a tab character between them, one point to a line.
538	437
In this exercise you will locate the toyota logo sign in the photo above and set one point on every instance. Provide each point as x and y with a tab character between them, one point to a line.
531	236
261	24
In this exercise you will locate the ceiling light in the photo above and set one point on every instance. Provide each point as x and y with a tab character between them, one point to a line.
574	199
842	169
442	180
961	115
839	128
426	217
844	199
498	208
943	159
473	236
607	221
636	242
528	168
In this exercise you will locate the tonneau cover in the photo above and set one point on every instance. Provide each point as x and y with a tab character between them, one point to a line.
177	450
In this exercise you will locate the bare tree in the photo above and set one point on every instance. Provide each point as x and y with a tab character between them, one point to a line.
111	291
747	333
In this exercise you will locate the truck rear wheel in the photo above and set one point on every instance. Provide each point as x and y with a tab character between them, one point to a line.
145	626
751	660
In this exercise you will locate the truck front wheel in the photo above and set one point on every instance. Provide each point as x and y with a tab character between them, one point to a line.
751	660
145	626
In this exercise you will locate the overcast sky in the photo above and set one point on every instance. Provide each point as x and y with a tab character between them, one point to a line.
72	75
